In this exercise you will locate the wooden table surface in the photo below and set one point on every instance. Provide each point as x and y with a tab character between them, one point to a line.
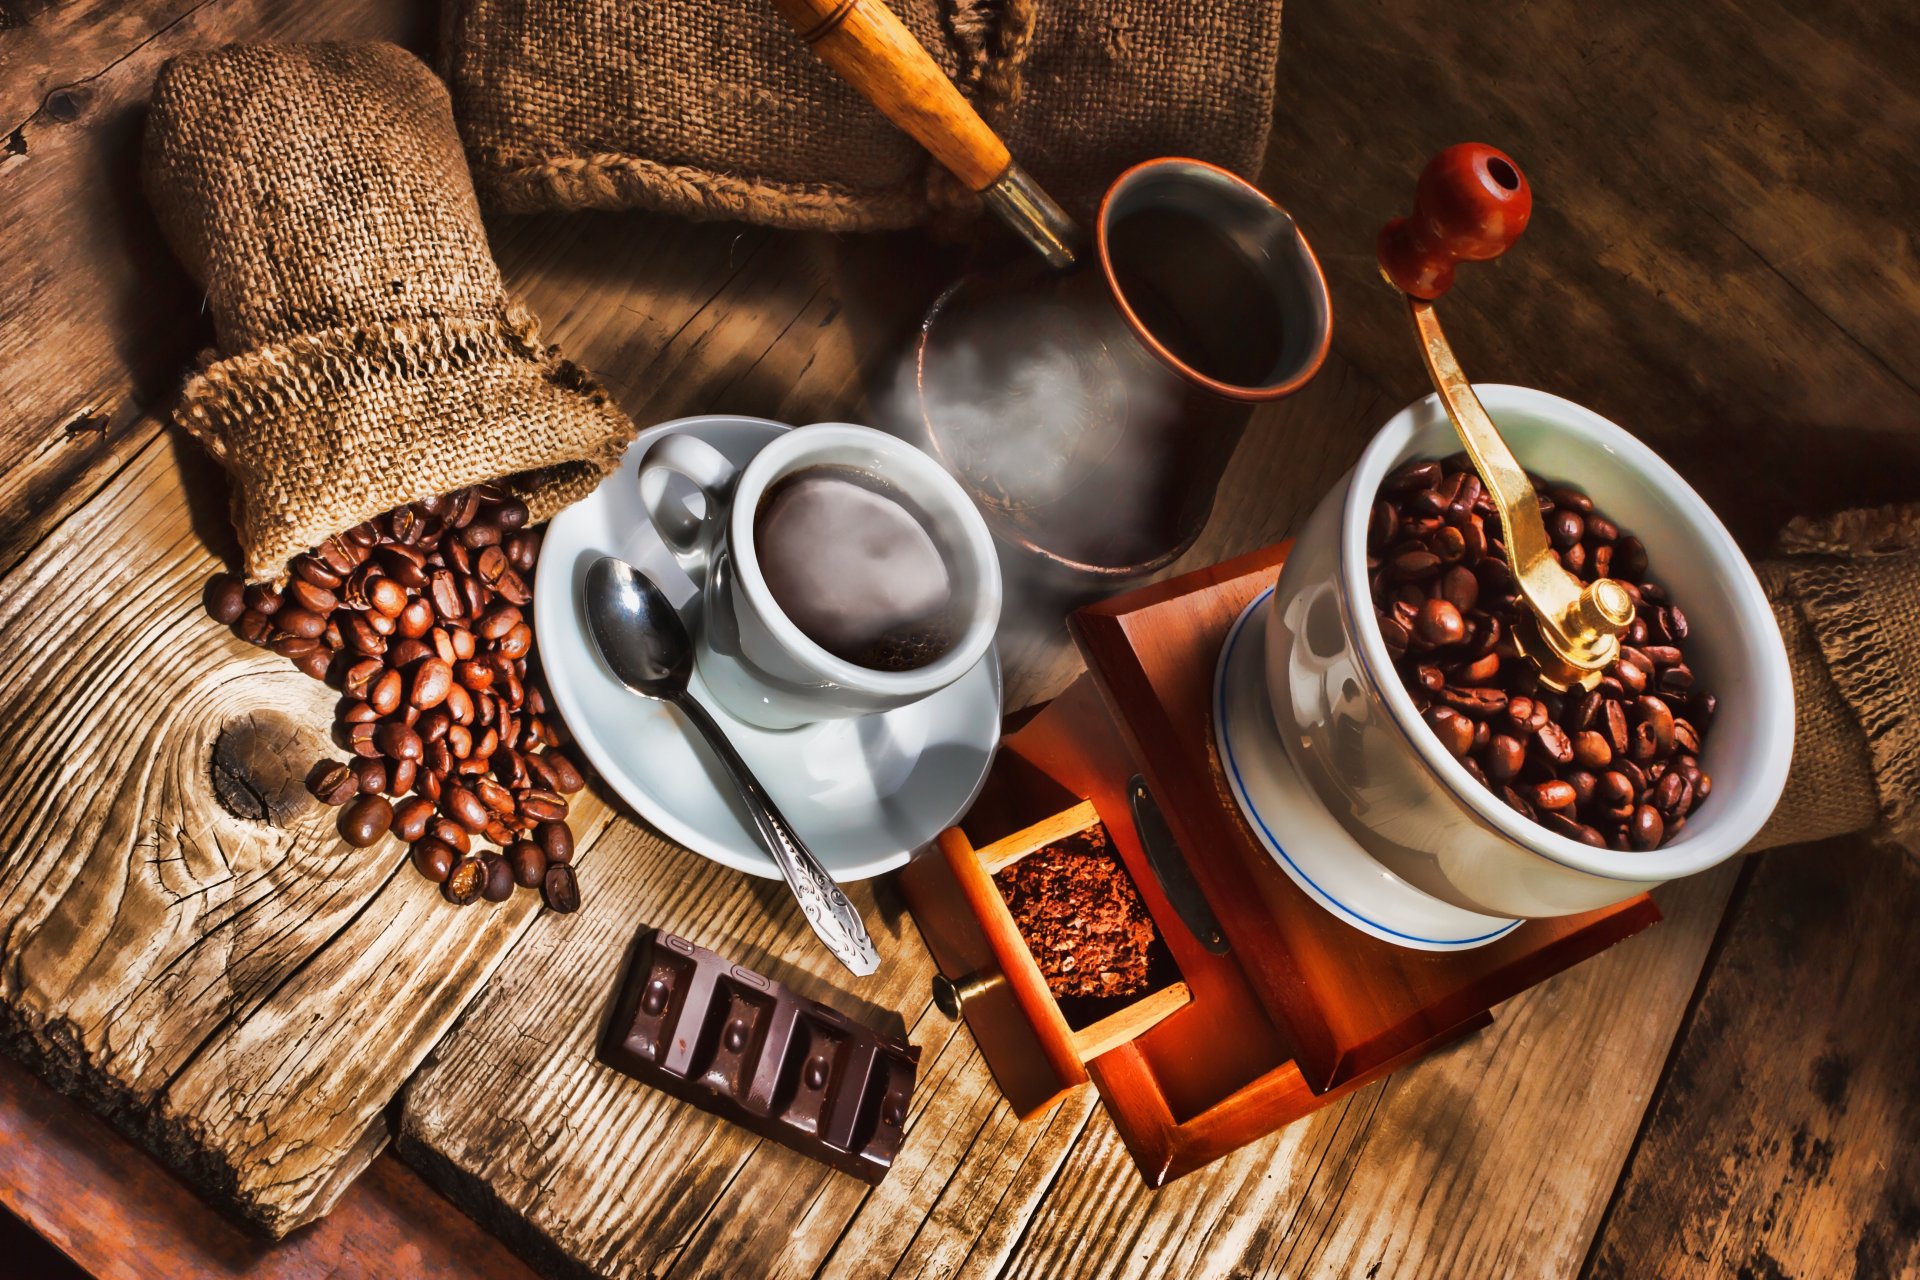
1722	258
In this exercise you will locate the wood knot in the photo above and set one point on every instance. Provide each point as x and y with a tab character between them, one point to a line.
259	763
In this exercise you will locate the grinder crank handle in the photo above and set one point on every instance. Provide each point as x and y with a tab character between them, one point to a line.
1471	205
872	50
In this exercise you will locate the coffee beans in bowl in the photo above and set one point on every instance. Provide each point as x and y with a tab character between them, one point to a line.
420	619
1617	767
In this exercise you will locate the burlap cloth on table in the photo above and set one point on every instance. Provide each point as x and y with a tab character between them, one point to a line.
1846	594
368	353
717	110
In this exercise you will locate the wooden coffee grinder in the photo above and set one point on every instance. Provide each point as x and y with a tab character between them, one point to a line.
1268	1007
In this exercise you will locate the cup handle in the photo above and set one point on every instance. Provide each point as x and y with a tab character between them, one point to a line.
691	538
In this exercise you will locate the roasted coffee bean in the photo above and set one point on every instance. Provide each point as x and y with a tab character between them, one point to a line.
225	598
314	599
499	885
559	889
567	777
494	796
371	775
1454	730
332	782
523	550
556	841
1555	743
1591	751
451	833
383	695
432	679
1673	795
364	819
465	882
1614	794
387	596
433	858
1504	757
474	674
1460	588
410	818
517	641
1560	824
1647	828
543	806
1439	623
1654	712
529	863
1566	527
398	741
263	599
1556	796
459	703
465	808
416	618
1479	703
253	627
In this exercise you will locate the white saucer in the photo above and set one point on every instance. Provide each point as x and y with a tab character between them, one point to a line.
1304	838
863	793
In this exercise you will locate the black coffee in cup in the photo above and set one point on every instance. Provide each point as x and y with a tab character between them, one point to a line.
852	564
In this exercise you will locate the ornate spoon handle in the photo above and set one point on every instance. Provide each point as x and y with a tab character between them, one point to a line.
826	906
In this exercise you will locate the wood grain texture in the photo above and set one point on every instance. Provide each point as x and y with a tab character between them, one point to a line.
188	945
1782	1144
123	1217
1491	1158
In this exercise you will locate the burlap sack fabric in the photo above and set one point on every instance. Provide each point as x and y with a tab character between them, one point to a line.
369	354
718	110
1847	597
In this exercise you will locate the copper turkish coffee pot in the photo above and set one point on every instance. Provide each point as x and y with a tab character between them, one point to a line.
1089	401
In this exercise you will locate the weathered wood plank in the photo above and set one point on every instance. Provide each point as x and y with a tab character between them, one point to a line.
187	943
1493	1157
122	1217
1782	1140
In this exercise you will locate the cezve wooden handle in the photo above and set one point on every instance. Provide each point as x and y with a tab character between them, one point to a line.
873	51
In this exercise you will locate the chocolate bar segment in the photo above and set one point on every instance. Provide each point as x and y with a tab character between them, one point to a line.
730	1041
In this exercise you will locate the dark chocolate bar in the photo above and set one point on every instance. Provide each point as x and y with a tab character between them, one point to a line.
729	1041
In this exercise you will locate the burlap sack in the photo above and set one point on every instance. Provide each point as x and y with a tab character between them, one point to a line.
368	354
1847	597
716	109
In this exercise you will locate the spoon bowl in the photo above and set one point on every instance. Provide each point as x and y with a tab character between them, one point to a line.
637	630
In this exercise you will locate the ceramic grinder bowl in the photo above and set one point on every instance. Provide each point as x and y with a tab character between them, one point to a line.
1352	731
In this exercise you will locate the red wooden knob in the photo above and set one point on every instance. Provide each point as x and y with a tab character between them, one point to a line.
1471	204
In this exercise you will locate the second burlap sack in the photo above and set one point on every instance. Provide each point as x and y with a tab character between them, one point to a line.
716	109
1846	593
368	352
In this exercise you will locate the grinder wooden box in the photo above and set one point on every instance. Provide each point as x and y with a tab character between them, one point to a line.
1300	1008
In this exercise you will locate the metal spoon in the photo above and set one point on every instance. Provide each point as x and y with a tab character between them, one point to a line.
646	646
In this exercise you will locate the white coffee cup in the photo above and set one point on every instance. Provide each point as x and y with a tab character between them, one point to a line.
754	659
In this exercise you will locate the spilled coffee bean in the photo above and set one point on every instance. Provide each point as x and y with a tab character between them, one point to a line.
419	619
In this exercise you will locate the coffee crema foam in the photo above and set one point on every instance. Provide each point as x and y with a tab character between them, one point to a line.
855	569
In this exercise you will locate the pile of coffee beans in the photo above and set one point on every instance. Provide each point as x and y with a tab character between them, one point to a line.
1617	767
420	619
